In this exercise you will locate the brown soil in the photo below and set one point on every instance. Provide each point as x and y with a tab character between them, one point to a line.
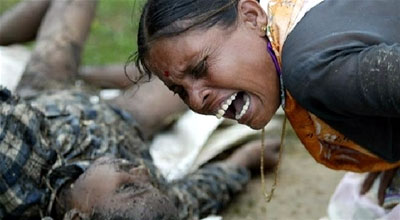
303	192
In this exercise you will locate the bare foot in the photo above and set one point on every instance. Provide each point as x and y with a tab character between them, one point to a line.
248	155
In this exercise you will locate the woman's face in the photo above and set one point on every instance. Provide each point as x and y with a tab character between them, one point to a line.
220	71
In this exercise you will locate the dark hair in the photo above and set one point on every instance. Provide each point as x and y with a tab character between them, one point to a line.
167	18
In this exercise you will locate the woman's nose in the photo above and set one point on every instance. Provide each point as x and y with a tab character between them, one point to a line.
198	99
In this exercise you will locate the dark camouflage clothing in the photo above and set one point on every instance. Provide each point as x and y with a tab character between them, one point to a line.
52	138
207	190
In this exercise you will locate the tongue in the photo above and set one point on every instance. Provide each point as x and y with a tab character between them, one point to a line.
239	102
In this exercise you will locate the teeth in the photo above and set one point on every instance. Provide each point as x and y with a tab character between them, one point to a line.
244	108
228	102
225	106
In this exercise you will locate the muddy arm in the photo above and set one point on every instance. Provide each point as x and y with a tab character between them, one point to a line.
208	190
59	44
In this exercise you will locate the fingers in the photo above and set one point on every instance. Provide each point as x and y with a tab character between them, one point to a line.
368	182
384	183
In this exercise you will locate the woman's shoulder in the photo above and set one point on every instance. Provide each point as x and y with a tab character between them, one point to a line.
332	28
316	54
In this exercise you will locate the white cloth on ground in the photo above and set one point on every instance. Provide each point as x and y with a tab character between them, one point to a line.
195	139
347	203
12	64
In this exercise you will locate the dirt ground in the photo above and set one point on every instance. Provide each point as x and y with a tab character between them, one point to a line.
303	192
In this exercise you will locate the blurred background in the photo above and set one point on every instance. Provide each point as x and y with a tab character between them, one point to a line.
113	33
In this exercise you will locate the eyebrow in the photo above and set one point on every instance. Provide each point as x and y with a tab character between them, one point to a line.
195	64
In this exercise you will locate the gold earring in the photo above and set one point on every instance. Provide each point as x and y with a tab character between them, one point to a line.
264	29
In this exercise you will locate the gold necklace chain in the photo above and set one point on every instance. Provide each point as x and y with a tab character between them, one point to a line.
268	197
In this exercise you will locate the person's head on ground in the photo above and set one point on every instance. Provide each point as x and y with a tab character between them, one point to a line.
117	189
213	54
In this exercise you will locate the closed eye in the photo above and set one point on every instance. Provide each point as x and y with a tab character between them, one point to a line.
127	186
200	69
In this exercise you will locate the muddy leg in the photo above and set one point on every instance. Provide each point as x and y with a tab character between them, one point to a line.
21	23
55	59
110	76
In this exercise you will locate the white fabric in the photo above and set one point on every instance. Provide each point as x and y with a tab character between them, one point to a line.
213	218
347	203
194	140
12	64
108	94
175	151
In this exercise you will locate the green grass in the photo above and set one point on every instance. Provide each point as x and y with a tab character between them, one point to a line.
113	32
6	4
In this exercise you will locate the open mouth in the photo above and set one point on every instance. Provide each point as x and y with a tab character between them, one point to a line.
235	106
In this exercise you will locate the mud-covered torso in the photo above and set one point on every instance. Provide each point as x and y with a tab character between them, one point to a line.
82	126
